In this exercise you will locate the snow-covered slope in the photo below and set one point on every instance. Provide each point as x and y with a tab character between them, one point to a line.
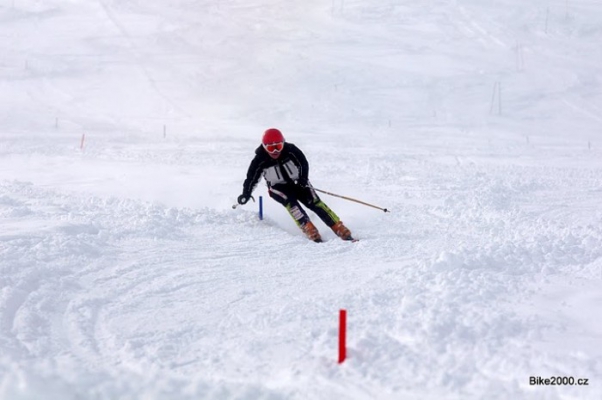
126	130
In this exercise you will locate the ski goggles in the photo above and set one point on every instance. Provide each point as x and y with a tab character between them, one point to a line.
274	147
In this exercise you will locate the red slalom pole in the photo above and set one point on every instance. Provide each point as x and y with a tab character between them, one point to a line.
342	335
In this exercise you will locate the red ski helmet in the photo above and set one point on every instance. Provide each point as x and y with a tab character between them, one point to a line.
273	142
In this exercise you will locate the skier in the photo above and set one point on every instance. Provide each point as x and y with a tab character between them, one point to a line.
285	170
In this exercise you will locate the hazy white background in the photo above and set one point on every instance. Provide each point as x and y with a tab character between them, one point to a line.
126	274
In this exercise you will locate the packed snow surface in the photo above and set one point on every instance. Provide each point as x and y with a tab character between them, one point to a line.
126	131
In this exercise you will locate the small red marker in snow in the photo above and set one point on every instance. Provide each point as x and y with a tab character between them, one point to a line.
342	335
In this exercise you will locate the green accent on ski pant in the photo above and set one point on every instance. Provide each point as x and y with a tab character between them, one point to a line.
290	212
335	218
320	208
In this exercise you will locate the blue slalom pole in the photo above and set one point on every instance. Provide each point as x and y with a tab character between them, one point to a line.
261	207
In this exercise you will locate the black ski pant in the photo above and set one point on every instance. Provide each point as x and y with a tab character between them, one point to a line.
290	195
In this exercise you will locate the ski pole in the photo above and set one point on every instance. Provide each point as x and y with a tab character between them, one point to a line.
351	199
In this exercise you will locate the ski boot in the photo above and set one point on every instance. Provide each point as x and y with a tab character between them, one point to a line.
311	232
342	231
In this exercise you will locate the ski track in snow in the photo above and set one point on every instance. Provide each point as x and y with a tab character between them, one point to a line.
125	273
111	275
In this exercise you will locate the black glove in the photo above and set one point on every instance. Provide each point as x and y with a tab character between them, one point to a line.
302	182
243	198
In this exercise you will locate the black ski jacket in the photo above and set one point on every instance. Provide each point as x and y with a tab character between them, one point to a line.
290	167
